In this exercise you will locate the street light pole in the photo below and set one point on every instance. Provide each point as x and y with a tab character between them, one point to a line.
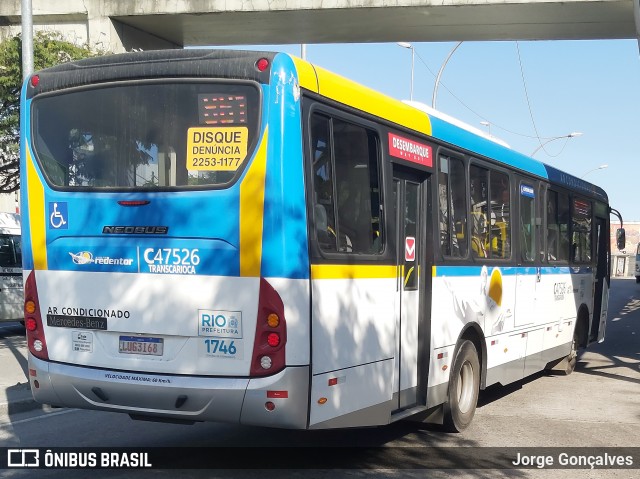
601	167
437	82
570	135
413	54
26	15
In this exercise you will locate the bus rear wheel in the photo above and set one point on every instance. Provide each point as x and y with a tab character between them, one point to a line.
464	387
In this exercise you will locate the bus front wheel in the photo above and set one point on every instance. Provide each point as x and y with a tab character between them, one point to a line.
464	387
572	357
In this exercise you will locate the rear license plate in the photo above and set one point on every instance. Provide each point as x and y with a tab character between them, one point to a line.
141	345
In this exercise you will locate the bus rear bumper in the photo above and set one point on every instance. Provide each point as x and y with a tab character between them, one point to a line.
169	397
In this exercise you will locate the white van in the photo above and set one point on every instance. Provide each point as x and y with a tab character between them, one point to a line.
11	287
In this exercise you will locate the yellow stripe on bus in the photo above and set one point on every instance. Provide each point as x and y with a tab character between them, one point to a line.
352	271
306	74
37	216
362	98
252	212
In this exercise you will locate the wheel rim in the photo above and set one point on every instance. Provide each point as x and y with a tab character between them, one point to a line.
466	388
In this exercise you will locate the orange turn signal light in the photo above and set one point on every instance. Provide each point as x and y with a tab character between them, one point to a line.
273	320
30	306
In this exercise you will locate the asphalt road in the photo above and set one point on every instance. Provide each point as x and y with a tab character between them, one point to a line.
595	407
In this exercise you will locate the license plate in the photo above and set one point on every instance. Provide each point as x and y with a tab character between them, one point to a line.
141	345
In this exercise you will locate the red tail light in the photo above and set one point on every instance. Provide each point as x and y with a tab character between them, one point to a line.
33	320
273	339
271	333
262	64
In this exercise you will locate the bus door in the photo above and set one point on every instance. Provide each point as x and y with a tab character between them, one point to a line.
601	275
410	196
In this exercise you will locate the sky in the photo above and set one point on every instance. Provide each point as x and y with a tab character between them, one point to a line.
525	90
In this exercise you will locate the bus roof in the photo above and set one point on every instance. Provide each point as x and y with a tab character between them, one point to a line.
435	124
241	64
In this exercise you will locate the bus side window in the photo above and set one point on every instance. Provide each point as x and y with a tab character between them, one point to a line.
558	215
356	160
582	231
452	204
500	219
323	195
553	227
346	197
479	211
527	223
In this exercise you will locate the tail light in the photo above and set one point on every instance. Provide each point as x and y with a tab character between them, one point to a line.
33	320
271	333
262	64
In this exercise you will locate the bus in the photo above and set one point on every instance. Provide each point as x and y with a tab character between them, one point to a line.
246	237
11	287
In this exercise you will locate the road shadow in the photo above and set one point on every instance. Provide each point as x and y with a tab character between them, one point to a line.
618	357
400	447
15	384
13	338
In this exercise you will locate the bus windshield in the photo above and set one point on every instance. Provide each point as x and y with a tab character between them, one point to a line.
146	135
10	251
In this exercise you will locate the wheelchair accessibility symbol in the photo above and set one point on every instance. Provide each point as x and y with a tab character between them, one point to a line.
58	216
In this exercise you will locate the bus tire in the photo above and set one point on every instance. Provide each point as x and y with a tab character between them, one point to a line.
572	357
464	387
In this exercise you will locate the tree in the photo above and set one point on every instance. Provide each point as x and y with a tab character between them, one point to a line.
48	49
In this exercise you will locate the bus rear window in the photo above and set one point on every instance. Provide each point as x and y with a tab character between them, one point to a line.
146	135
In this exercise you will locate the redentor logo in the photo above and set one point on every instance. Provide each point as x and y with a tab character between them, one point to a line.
410	150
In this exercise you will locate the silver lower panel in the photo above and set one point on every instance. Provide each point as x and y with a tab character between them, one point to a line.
189	398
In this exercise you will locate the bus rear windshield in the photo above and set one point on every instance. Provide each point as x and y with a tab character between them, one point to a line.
146	135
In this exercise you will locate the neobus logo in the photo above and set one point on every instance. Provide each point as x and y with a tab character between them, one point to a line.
135	230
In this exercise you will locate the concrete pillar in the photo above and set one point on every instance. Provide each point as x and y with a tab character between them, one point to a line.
636	16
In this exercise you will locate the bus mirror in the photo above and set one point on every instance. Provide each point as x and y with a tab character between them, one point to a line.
621	238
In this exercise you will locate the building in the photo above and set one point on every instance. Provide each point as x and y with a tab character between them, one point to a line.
623	263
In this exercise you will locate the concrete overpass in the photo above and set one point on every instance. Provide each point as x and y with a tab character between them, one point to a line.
150	24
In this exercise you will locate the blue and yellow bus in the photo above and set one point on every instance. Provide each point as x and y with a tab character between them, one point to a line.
246	237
